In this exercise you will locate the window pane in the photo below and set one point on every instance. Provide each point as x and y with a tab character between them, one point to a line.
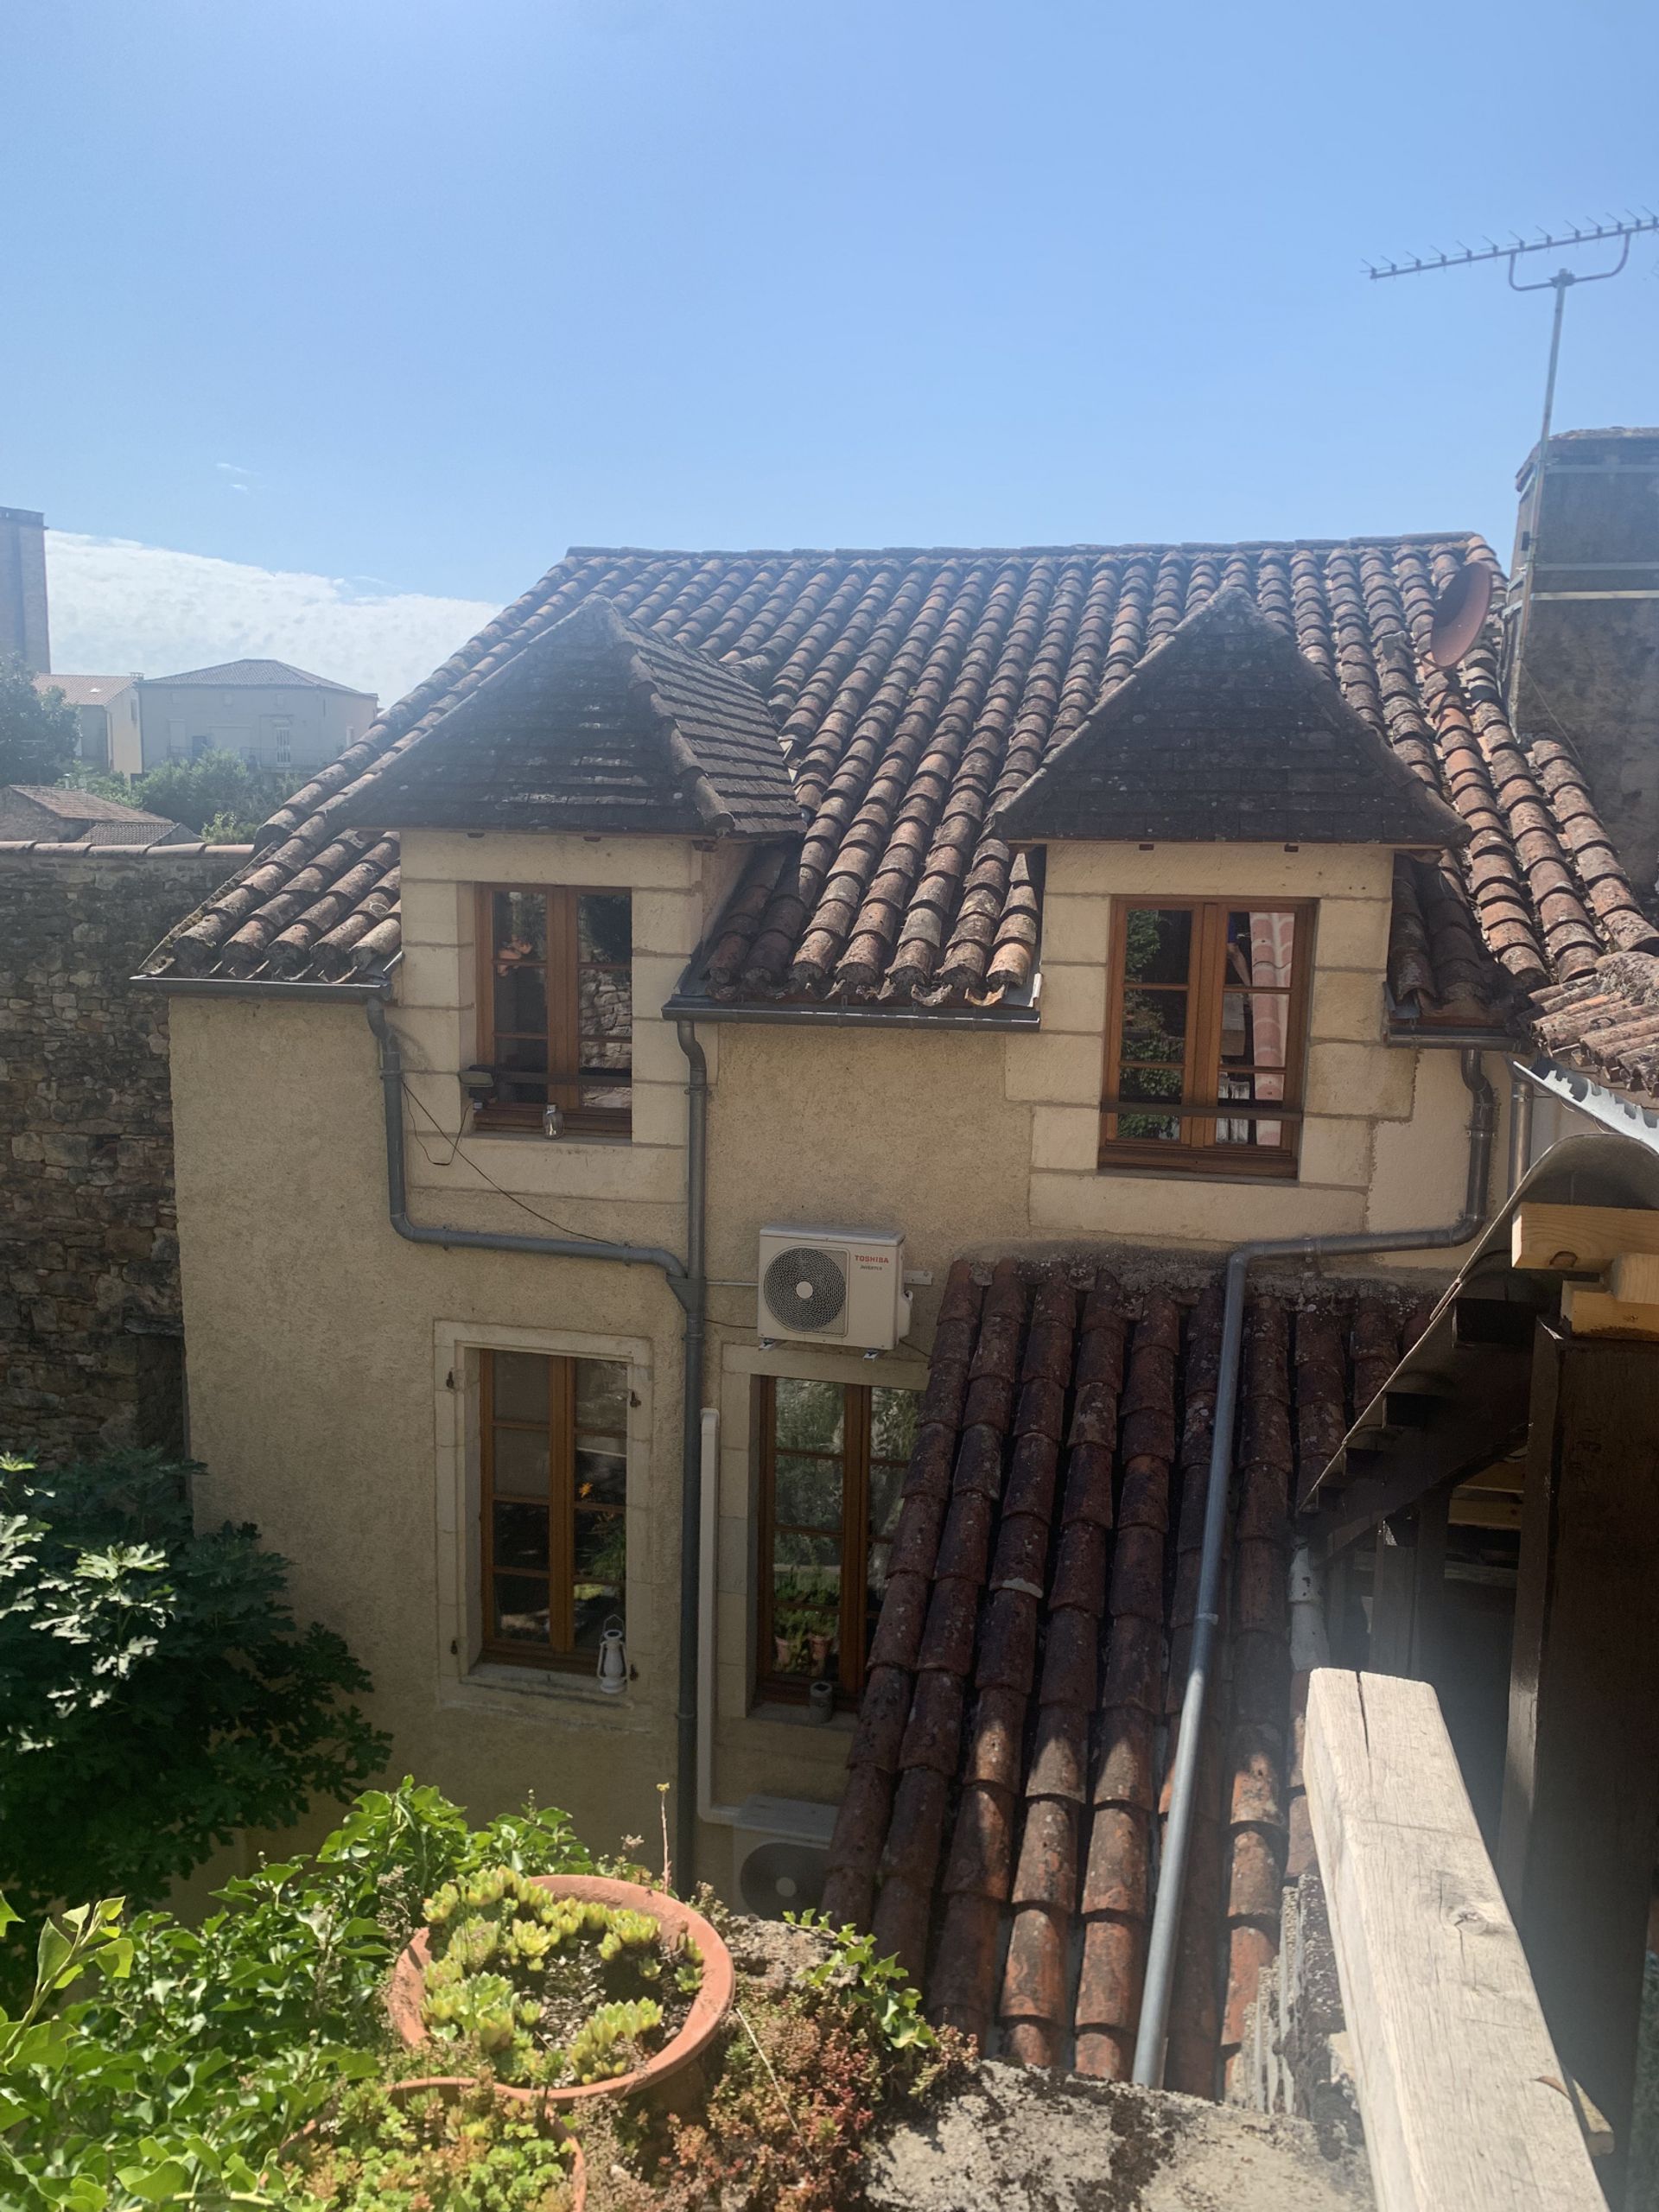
517	928
605	926
886	1481
605	1098
808	1415
1158	944
1152	1129
807	1493
521	1000
1260	948
875	1590
602	1549
521	1385
1164	1083
893	1424
1154	1026
602	1397
601	1475
520	1536
1253	1028
520	1610
806	1607
518	1463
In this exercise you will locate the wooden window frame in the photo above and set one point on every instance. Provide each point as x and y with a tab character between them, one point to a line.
564	1034
1198	1151
560	1654
856	1460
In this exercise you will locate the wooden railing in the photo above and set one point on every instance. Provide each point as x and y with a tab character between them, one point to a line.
1466	2105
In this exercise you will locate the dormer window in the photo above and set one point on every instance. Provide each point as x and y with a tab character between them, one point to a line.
1206	1026
555	1007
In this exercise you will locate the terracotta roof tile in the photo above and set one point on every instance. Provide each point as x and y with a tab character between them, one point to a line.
914	694
1013	1865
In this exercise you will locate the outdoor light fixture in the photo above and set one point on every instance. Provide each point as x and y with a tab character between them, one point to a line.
477	1082
612	1668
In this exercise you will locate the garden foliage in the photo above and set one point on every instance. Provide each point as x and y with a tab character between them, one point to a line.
156	1694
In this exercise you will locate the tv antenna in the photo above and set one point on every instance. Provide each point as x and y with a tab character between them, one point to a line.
1604	234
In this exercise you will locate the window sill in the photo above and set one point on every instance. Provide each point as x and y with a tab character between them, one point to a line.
495	1687
1199	1178
617	1143
788	1714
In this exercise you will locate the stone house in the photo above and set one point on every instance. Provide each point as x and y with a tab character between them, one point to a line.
271	713
985	942
53	814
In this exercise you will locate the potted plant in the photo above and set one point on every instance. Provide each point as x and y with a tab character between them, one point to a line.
563	1986
437	2140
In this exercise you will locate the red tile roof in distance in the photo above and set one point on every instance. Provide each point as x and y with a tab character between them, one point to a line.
998	1829
914	692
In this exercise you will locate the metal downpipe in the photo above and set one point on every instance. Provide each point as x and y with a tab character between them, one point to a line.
696	1302
1153	2031
1521	1095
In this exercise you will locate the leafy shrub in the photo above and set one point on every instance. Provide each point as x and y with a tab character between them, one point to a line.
155	1695
189	2055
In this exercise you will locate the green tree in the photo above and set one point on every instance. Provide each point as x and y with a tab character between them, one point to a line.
217	795
156	1694
38	729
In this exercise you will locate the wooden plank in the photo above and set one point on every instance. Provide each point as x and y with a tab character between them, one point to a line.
1580	1240
1581	1770
1633	1278
1591	1313
1465	2103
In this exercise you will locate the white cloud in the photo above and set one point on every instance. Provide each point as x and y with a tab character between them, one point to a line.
115	604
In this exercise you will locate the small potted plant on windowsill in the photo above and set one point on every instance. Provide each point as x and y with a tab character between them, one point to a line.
565	1987
438	2140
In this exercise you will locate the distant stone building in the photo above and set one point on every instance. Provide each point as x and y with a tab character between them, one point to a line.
106	707
47	814
271	715
23	588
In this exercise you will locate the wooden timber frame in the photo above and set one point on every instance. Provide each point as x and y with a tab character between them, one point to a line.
1549	1340
1466	2105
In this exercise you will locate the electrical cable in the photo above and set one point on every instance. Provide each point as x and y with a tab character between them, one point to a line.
581	1236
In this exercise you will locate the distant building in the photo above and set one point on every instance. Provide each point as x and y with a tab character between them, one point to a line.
48	814
272	714
23	588
106	707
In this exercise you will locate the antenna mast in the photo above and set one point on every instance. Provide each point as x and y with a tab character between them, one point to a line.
1561	283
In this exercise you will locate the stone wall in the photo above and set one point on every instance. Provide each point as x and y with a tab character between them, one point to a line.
91	1336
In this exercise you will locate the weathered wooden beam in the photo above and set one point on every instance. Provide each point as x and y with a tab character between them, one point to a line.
1463	2099
1581	1776
1580	1240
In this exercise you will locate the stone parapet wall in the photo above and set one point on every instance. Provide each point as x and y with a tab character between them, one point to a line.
91	1342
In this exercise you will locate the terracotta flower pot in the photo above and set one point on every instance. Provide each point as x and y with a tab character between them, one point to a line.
407	1990
453	2087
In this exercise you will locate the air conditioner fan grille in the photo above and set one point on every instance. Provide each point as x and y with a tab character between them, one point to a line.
805	1288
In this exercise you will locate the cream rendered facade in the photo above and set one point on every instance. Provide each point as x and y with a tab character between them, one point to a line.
332	1363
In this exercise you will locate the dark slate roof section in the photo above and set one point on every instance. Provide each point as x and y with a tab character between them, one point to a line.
998	1830
915	691
596	725
238	674
1226	731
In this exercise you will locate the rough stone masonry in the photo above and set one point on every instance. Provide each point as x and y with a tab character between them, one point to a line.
90	1346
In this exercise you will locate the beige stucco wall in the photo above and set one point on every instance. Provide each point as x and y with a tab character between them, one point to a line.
234	719
322	1348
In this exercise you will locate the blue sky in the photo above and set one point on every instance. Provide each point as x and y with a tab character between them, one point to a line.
406	296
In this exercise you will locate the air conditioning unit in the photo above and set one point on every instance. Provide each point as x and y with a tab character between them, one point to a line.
780	1855
843	1287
